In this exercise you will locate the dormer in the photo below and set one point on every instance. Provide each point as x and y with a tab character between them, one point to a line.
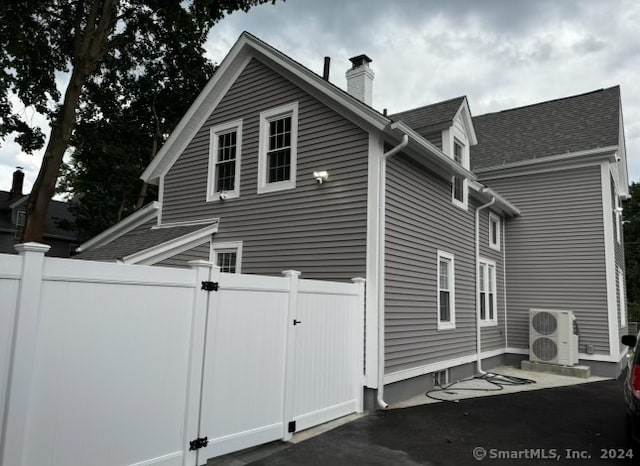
456	140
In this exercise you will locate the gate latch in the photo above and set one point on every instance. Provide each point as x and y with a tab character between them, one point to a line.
210	286
198	443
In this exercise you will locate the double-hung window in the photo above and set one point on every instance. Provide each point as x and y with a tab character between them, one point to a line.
225	147
278	148
458	183
21	216
487	299
446	291
494	231
227	256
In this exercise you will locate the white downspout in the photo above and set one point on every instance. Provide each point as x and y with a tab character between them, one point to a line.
381	239
504	281
478	335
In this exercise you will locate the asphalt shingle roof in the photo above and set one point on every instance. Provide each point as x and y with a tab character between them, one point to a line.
430	115
58	211
570	124
136	241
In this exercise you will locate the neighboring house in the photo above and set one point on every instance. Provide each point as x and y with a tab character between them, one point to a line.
13	206
242	183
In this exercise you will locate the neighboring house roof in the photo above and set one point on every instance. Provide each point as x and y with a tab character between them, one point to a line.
150	245
58	212
571	124
430	116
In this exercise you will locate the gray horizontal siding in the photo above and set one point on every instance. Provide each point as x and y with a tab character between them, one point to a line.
200	252
434	138
421	220
7	241
319	230
555	252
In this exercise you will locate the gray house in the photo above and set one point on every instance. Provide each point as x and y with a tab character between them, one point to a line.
458	226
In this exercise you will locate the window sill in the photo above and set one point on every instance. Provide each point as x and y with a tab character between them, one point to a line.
488	323
215	197
446	326
275	187
495	247
459	204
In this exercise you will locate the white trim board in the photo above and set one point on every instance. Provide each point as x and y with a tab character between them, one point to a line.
124	226
172	247
610	260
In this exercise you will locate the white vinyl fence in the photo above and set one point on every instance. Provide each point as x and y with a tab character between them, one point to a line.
110	364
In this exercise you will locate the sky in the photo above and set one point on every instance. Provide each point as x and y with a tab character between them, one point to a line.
499	53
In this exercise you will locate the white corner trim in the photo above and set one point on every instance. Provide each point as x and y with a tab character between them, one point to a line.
172	247
266	116
610	261
214	132
123	226
376	149
237	245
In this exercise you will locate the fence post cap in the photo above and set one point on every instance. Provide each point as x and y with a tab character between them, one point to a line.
291	273
32	247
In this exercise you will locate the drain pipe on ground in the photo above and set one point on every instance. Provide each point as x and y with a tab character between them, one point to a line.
381	238
478	334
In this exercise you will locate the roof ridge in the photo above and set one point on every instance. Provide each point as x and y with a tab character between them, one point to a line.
428	105
617	86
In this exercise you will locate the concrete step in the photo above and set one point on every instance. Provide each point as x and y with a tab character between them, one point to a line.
584	372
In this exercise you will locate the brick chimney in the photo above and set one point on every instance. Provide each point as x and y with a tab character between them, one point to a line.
18	181
360	79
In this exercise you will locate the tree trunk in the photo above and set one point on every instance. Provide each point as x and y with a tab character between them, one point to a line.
45	185
89	48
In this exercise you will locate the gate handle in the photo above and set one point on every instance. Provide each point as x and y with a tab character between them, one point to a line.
296	322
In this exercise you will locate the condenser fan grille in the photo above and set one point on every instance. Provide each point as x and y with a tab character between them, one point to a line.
545	349
544	323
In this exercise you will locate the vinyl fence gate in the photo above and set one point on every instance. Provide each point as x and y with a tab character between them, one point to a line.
106	364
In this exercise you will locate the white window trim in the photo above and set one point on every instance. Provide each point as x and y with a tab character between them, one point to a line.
452	292
486	322
214	132
621	296
498	220
265	117
452	136
237	245
21	214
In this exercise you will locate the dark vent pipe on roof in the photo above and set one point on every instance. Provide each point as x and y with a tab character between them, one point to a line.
325	71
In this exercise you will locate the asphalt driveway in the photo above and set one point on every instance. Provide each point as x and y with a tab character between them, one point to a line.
580	424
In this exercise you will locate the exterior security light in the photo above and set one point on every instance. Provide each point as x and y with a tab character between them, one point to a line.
321	177
223	195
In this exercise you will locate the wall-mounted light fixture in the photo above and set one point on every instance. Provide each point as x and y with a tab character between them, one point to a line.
617	210
223	195
321	176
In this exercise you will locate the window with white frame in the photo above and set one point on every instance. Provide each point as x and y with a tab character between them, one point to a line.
227	256
278	148
494	231
21	216
621	299
225	147
446	301
487	299
459	183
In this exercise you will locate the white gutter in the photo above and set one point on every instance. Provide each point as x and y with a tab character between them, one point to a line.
478	334
381	240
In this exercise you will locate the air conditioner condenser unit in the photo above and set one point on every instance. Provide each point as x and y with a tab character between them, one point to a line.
553	337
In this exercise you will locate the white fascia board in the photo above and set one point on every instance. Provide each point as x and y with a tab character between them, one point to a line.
486	194
172	247
18	202
430	154
124	226
232	65
595	155
622	164
465	114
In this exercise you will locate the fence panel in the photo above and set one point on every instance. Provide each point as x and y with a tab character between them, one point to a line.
243	382
327	356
